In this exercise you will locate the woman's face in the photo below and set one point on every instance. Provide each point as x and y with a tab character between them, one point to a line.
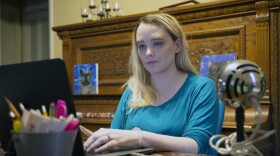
156	48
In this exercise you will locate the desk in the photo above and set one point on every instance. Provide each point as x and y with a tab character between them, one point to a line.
3	153
174	154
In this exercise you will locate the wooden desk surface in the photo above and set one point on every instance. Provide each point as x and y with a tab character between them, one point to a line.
174	154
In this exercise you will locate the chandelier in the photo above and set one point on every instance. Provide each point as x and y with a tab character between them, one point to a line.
102	11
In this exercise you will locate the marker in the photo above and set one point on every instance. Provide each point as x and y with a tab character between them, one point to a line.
16	126
16	123
61	109
21	106
12	115
52	110
72	124
44	111
12	108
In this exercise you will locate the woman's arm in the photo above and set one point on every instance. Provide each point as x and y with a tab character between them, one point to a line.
169	143
105	139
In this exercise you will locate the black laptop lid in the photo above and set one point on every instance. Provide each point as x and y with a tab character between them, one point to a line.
34	84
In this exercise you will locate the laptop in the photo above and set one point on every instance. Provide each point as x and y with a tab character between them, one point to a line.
35	84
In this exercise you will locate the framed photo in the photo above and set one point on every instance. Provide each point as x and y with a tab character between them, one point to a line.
86	79
210	65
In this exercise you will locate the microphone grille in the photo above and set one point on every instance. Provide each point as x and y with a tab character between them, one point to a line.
238	81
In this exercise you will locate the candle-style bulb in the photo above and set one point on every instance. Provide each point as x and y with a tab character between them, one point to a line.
100	12
107	7
100	9
88	17
91	4
120	13
84	12
116	6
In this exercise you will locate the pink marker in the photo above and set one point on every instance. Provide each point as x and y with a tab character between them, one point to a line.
72	124
61	109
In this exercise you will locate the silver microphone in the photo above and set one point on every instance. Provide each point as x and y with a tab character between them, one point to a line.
238	81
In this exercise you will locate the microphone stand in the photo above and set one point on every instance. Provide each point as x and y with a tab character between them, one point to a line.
239	118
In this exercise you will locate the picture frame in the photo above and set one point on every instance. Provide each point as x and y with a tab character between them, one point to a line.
210	65
86	79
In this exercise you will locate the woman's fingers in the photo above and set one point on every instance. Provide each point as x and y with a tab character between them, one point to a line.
97	139
109	145
86	131
97	143
117	139
105	139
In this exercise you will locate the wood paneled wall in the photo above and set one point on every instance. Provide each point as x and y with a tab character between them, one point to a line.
249	28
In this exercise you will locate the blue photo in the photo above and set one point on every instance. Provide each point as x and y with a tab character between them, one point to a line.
86	79
210	65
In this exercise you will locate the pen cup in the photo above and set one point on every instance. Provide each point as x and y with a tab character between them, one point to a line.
44	144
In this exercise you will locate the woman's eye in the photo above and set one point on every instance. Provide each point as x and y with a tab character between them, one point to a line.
141	46
157	44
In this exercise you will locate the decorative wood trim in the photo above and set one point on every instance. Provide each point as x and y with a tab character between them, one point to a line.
178	4
203	18
106	44
220	47
120	67
67	57
275	78
262	37
102	30
223	32
99	29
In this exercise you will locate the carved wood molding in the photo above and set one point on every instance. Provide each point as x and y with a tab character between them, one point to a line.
274	5
217	32
262	37
275	78
218	47
250	8
202	13
262	12
97	30
106	44
111	63
64	35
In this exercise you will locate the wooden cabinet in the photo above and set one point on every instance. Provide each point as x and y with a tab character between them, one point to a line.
249	28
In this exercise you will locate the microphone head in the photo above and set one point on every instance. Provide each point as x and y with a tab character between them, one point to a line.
240	80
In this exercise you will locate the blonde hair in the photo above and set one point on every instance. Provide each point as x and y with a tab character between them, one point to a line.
143	94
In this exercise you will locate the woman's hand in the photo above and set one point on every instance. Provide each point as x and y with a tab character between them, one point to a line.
105	139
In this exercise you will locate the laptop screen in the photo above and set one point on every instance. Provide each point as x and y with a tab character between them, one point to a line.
34	84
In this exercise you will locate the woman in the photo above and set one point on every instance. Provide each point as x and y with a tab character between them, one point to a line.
165	106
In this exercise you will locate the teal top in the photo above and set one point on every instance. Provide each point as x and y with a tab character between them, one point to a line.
192	112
